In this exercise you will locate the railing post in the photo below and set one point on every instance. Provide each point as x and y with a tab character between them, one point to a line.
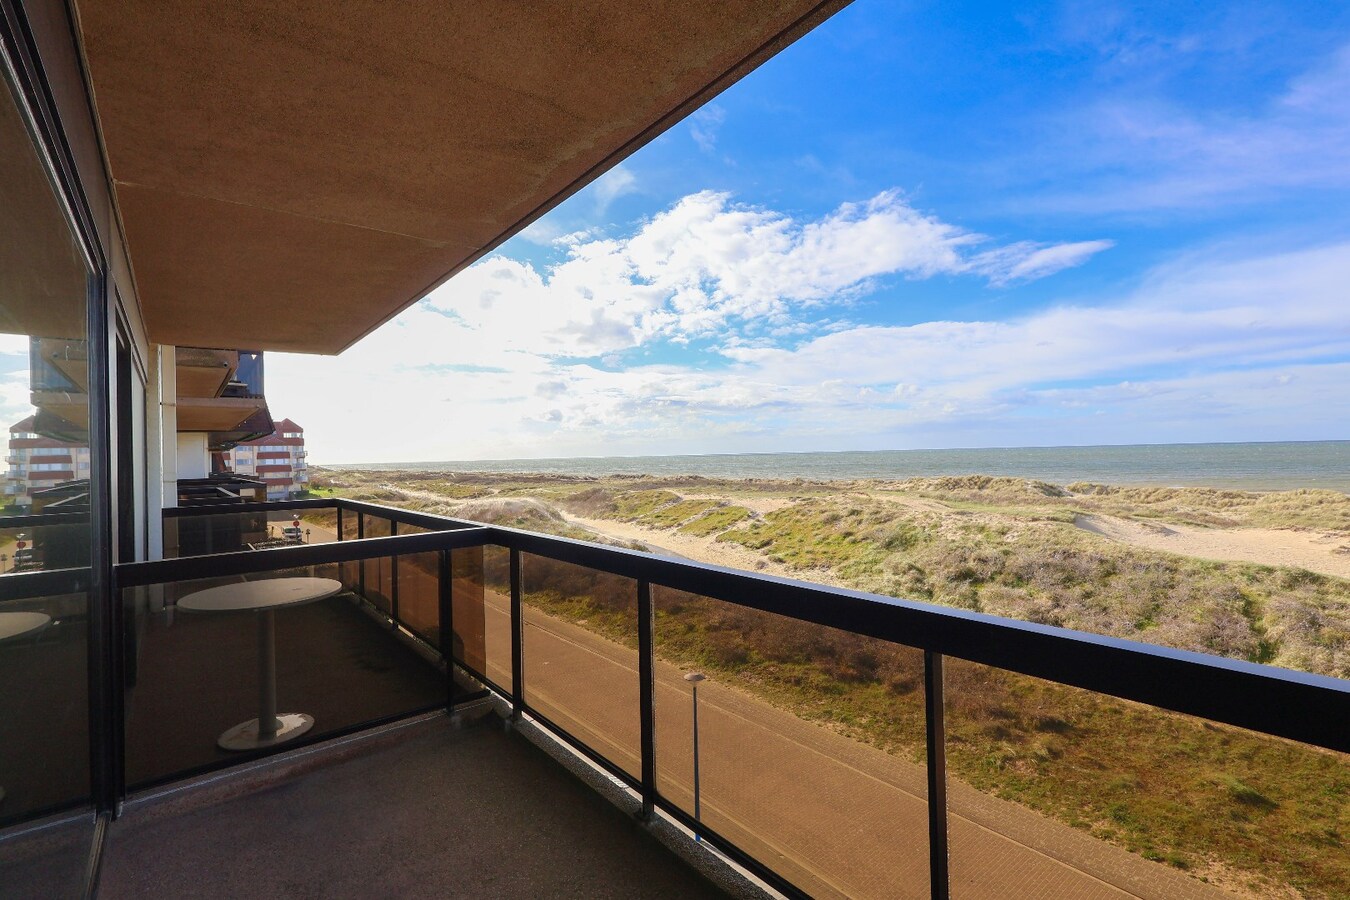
646	692
393	577
445	596
937	775
517	638
339	523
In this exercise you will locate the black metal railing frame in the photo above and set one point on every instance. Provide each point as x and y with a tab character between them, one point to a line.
1311	709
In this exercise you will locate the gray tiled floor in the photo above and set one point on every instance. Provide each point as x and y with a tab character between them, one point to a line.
433	811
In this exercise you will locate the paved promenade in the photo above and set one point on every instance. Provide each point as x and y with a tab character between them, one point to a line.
837	817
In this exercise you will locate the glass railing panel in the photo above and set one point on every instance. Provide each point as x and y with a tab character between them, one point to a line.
580	655
468	599
419	600
377	575
50	862
349	572
810	744
496	564
44	716
57	544
303	526
16	551
419	594
1058	791
211	533
195	673
350	526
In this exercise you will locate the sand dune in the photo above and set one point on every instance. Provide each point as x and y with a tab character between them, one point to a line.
1315	551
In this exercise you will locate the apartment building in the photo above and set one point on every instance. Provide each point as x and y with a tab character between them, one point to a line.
279	459
36	462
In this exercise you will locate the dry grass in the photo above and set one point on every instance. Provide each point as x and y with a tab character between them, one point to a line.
1182	792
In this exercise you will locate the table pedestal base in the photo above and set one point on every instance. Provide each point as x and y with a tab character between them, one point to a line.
244	736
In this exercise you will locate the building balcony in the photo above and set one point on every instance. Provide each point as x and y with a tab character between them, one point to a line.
839	743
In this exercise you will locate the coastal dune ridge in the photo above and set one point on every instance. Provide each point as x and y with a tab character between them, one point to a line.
1257	575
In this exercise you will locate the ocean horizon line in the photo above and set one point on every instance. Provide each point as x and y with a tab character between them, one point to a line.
739	453
1248	465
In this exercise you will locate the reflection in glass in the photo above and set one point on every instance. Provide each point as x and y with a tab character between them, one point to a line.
44	398
44	514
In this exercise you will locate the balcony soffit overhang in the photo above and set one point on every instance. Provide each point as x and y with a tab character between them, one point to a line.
290	176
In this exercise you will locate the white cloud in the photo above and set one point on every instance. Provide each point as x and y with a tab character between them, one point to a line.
708	263
704	125
614	184
1133	152
1029	262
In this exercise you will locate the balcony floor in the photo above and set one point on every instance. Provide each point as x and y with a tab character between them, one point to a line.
427	809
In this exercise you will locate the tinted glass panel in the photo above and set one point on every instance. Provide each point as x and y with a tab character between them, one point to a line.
810	744
377	575
44	717
195	671
1057	791
496	617
580	648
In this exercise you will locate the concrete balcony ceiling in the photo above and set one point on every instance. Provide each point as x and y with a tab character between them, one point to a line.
290	176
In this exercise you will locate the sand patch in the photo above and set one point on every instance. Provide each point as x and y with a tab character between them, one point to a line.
701	549
759	505
1328	554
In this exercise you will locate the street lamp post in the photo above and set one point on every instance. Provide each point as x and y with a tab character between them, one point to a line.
694	678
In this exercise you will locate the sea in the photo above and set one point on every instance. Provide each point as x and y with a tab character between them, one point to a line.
1269	466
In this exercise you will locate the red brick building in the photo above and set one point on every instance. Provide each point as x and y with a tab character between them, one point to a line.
278	459
36	463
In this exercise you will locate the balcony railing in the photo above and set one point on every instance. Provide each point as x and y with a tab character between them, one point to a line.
780	767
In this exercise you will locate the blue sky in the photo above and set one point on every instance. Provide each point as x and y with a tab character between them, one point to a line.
923	225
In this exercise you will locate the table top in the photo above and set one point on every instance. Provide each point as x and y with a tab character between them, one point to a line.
269	593
17	624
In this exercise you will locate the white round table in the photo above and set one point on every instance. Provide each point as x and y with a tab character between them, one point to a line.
263	598
16	625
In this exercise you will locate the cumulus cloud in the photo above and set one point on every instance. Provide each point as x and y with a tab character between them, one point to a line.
708	263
